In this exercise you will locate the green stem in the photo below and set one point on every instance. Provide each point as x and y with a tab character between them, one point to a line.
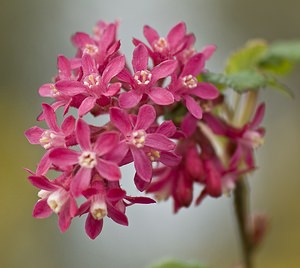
241	205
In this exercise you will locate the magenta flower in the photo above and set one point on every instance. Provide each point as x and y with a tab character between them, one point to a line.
89	158
144	147
54	197
245	139
144	81
186	86
54	136
165	48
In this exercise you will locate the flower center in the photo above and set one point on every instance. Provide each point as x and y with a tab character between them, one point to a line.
54	91
142	77
98	208
138	138
92	80
57	199
189	81
87	159
153	155
90	49
160	45
51	139
253	138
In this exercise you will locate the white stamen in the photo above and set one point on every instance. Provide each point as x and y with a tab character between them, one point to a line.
189	81
92	80
138	138
88	159
142	77
161	45
98	210
90	49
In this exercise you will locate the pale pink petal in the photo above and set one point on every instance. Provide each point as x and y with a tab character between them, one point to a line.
176	34
64	157
41	209
108	170
140	58
161	96
205	91
129	99
34	134
106	142
114	67
159	142
87	105
93	227
83	135
163	70
46	90
150	34
142	164
81	181
146	117
193	107
120	119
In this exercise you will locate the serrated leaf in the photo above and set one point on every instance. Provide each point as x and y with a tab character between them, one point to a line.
240	81
276	66
176	264
247	57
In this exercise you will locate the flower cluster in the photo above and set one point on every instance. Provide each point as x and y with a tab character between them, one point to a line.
161	118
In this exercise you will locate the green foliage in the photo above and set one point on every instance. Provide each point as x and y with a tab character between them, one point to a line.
256	66
176	264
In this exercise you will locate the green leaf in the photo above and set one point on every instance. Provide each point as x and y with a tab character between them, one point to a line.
247	58
176	264
240	81
272	82
281	57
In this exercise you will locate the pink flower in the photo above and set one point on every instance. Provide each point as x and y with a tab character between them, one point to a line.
144	147
54	197
186	86
89	158
54	136
144	81
165	48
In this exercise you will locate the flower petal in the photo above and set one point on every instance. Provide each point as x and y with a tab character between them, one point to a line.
81	181
150	34
163	70
114	67
64	157
159	142
142	164
129	99
34	134
83	135
41	182
70	88
140	58
117	216
106	142
193	107
120	119
169	159
145	118
87	105
68	125
176	34
161	96
194	65
108	170
205	91
41	209
93	227
88	65
50	117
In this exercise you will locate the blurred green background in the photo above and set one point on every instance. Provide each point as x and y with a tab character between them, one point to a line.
34	32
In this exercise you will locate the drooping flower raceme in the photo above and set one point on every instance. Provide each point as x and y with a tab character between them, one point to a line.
161	118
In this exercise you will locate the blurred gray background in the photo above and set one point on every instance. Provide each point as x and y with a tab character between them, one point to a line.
34	32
